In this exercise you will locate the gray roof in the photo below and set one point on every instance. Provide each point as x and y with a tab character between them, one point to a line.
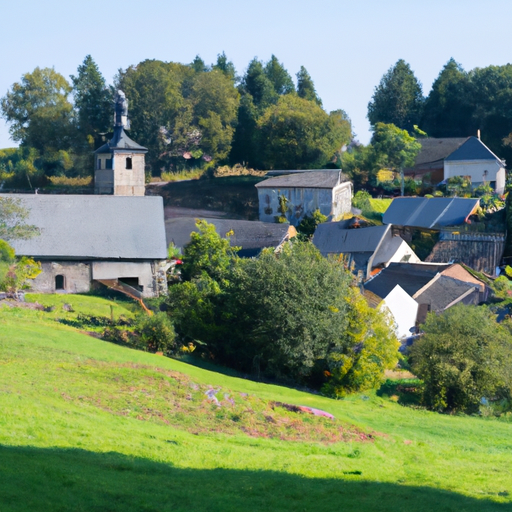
249	235
436	150
120	141
94	227
309	179
423	212
410	276
443	291
332	238
473	149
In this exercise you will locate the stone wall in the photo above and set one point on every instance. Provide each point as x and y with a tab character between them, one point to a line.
129	182
75	277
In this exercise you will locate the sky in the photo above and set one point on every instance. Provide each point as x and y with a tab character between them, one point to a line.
345	46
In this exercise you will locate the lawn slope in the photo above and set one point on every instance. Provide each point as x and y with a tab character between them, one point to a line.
88	425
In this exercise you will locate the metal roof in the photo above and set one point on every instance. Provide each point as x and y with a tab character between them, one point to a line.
434	150
309	179
410	276
332	238
120	141
473	149
94	227
443	291
424	212
251	236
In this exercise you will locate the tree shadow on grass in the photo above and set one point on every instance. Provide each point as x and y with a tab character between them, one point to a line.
35	479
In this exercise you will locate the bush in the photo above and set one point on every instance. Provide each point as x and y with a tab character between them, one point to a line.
463	357
408	391
361	200
157	333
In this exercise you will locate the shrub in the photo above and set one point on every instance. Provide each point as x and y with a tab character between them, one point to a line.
464	356
361	200
157	333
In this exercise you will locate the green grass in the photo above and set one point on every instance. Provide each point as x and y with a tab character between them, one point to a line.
88	425
380	205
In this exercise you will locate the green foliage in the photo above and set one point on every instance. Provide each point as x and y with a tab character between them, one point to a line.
370	347
397	99
7	254
38	110
157	333
12	220
361	200
93	102
279	77
405	391
309	223
298	134
463	356
16	275
306	87
207	254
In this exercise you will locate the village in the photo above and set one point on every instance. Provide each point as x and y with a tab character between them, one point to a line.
234	282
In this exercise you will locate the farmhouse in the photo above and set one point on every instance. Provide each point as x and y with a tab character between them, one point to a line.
464	156
87	239
411	290
363	249
303	192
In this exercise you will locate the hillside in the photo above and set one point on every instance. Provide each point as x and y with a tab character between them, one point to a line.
88	425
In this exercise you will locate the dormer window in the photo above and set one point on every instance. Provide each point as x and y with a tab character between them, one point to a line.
129	163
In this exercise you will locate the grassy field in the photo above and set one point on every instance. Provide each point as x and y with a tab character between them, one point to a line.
90	426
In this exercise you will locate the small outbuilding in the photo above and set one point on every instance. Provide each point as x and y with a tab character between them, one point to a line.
303	192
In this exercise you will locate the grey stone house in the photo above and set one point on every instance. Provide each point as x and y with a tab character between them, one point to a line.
114	240
329	191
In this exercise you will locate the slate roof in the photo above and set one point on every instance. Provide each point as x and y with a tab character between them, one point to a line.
410	276
472	149
309	179
443	291
436	150
121	141
424	212
251	236
94	227
332	238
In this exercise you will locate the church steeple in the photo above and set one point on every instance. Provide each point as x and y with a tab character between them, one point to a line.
119	164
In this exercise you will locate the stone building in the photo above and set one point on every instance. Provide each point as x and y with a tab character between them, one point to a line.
119	164
303	192
116	237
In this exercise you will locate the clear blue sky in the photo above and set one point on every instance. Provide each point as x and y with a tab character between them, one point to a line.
345	46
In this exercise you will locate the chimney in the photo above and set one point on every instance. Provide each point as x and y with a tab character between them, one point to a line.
478	134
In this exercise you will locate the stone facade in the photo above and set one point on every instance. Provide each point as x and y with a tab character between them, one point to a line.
63	277
303	201
120	173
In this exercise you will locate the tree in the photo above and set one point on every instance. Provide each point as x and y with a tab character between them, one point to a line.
397	99
38	110
155	99
13	218
306	87
449	106
215	103
279	77
256	83
298	134
225	66
93	104
463	356
393	148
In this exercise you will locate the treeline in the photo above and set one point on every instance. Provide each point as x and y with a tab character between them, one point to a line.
187	115
459	104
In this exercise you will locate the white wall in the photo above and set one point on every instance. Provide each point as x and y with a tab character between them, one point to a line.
404	310
475	169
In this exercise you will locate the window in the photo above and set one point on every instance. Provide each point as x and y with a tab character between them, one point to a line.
98	164
59	282
129	163
108	163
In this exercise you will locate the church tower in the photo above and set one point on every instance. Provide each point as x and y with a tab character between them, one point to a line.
119	164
